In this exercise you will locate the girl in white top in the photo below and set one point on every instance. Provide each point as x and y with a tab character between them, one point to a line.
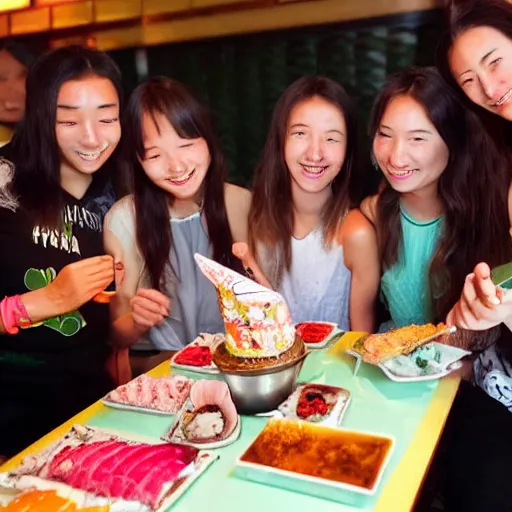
320	255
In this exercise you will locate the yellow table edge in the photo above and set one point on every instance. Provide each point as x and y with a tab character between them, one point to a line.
402	487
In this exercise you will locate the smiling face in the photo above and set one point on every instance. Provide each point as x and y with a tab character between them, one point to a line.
12	88
174	164
87	125
408	148
315	144
481	63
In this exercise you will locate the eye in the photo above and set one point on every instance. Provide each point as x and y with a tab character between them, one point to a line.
188	145
109	121
418	139
466	82
66	123
385	135
332	139
298	133
153	157
495	62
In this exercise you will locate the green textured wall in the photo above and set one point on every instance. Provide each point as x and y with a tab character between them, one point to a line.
241	77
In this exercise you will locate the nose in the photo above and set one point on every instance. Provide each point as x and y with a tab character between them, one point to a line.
314	152
90	138
15	98
397	155
176	165
489	85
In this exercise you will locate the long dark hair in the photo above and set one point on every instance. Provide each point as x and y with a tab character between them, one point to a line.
473	188
271	213
462	15
35	149
190	119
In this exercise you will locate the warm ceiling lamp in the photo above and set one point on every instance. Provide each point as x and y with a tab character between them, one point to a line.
40	3
10	5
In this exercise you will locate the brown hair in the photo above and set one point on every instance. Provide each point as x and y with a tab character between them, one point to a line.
473	188
461	15
190	120
271	213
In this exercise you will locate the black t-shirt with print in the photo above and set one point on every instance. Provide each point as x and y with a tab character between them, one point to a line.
60	352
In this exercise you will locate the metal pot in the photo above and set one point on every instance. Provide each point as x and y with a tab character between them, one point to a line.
257	391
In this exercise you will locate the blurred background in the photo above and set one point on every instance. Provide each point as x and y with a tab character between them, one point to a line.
237	55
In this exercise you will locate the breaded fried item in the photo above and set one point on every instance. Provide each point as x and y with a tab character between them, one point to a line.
377	348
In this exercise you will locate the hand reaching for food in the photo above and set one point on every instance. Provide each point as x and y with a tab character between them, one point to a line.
242	252
149	308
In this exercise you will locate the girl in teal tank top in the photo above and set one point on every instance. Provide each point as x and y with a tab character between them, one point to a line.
405	286
437	163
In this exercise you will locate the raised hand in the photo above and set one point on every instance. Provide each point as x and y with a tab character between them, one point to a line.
482	305
149	308
77	283
242	252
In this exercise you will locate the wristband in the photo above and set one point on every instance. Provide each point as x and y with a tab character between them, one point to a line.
14	314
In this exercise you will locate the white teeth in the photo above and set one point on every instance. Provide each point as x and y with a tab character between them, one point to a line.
401	173
504	98
183	178
315	170
92	156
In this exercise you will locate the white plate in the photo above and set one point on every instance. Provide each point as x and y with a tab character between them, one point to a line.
206	446
309	484
134	408
445	361
334	419
335	333
398	378
211	369
187	477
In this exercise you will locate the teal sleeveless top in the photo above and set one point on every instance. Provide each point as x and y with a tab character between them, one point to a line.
405	286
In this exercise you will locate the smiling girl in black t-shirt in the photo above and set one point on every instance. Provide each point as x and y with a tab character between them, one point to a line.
53	336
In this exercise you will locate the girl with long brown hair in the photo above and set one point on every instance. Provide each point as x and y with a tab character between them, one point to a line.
181	205
475	57
313	248
435	215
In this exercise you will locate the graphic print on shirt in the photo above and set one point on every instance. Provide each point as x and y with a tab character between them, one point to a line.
64	239
68	324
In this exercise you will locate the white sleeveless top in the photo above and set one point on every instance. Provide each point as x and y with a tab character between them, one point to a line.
317	287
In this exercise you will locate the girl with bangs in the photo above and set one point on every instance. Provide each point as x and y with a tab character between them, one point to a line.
307	241
181	204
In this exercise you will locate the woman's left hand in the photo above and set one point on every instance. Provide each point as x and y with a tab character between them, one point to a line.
482	305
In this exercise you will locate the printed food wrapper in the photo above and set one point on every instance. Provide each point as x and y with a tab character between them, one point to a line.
257	320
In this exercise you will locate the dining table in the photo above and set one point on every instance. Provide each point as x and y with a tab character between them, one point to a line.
413	413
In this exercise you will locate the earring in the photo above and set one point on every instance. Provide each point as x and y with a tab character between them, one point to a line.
374	162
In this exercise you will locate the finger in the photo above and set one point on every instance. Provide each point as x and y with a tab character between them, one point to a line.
95	260
98	269
484	287
141	304
505	296
155	296
456	318
147	319
98	279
